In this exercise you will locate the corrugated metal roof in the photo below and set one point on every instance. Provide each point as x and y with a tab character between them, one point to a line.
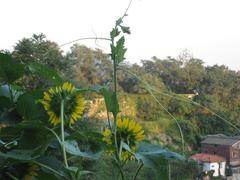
221	140
207	158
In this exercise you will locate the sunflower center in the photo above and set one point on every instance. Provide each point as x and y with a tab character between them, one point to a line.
69	105
126	136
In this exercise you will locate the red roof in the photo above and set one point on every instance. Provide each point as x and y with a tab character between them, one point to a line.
207	157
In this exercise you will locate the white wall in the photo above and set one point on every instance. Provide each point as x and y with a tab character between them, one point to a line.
222	168
215	166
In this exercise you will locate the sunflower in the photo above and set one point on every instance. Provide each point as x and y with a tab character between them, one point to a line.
73	103
129	131
31	171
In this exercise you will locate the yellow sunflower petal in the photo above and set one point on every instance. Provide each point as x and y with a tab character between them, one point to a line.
64	86
131	125
137	128
47	96
125	123
119	123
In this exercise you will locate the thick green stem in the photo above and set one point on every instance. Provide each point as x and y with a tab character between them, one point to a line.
62	135
115	98
122	174
120	170
138	170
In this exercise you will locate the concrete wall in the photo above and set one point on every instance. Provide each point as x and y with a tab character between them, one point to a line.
217	167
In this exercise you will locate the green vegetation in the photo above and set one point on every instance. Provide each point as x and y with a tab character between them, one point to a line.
40	135
177	101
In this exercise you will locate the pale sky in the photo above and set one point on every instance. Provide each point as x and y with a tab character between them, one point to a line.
210	29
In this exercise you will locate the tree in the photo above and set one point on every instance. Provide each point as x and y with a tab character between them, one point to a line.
38	49
135	80
88	66
169	70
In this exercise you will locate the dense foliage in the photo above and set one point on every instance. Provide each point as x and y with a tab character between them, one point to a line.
41	136
176	101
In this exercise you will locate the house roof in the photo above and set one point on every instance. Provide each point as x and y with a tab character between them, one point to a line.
207	158
221	140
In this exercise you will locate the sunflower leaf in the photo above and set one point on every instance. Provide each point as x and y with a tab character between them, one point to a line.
111	101
51	164
22	155
72	148
126	147
28	107
10	71
46	73
151	154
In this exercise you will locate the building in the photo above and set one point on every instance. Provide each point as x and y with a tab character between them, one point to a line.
227	147
210	162
220	154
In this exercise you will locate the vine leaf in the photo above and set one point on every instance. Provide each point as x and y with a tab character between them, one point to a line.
114	33
125	29
120	50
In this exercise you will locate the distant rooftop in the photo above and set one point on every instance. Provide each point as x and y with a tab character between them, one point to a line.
221	140
207	158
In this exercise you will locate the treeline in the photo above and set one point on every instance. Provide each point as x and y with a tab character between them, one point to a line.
216	88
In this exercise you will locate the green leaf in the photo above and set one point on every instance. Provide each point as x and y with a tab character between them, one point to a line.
76	173
72	148
125	29
51	165
16	91
22	155
126	147
4	90
5	103
10	71
35	138
31	135
110	101
46	73
85	136
14	130
82	173
29	107
114	33
119	21
44	176
151	154
9	117
120	50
